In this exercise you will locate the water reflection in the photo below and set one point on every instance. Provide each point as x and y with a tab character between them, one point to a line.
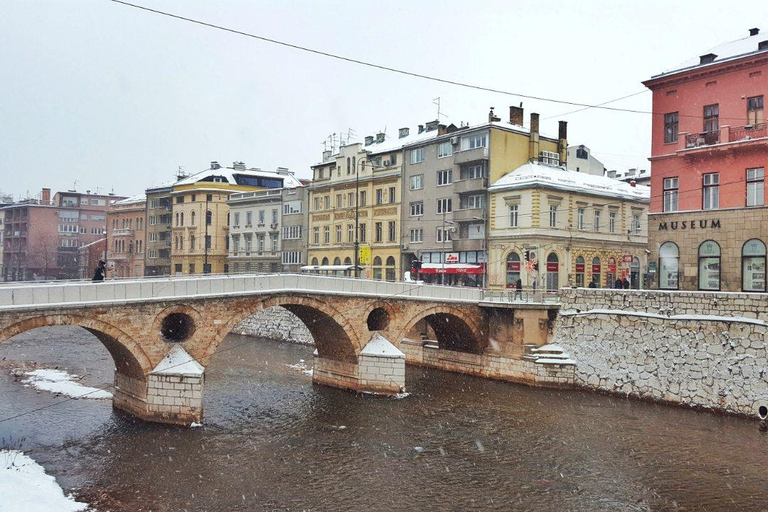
272	440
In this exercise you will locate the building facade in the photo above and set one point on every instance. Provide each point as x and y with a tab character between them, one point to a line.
294	224
709	153
446	178
580	159
126	237
551	228
255	231
201	217
159	217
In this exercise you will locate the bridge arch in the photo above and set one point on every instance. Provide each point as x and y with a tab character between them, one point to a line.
335	338
453	328
130	359
379	316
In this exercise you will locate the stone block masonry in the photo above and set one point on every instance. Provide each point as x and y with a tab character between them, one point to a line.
275	323
699	349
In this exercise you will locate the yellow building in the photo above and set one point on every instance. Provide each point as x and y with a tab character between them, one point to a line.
200	214
357	183
572	228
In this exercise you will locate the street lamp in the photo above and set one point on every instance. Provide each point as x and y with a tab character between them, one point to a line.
443	233
361	163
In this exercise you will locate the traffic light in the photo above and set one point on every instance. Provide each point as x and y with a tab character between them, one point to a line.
527	255
416	265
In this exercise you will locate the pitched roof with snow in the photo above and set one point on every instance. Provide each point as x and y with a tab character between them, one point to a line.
723	52
137	199
535	174
231	175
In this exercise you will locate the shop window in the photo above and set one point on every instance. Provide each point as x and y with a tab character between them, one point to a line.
596	269
553	272
753	266
709	266
390	268
580	271
513	269
669	265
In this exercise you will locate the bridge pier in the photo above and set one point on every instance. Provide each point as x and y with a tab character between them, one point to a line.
171	393
380	369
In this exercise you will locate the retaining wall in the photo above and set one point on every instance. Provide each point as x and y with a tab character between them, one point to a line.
694	348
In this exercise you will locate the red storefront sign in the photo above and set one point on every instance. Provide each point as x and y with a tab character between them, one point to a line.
595	269
448	268
611	265
552	267
513	266
627	258
579	268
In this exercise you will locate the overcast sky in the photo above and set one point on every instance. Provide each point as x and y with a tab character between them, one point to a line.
100	96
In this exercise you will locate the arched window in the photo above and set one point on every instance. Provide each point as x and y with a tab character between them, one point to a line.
192	220
337	261
553	272
390	268
192	243
348	165
596	269
314	261
377	267
753	266
513	269
208	217
347	260
325	261
709	266
669	266
580	264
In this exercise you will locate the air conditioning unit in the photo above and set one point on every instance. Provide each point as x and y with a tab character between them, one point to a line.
455	141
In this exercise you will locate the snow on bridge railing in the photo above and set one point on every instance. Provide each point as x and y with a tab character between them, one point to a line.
64	293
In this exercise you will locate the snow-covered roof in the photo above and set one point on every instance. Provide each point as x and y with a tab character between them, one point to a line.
381	347
178	362
723	52
229	175
535	174
137	199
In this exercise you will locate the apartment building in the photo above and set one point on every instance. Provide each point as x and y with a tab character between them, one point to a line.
159	218
708	218
126	237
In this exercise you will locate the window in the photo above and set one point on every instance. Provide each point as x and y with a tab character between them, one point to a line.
194	197
474	172
392	195
444	205
379	196
393	159
612	222
709	266
362	232
474	141
249	219
579	218
596	225
416	235
327	235
338	201
291	207
580	266
417	209
754	110
317	203
350	199
292	232
711	118
378	232
444	177
350	232
553	215
756	187
363	197
581	153
273	237
338	234
316	236
327	202
248	244
392	232
291	258
711	183
513	269
192	243
274	216
443	234
209	197
514	215
753	266
670	194
417	155
237	219
260	239
444	149
476	201
417	182
636	223
207	241
670	127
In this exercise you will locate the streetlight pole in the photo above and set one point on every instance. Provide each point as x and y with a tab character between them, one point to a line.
357	216
442	258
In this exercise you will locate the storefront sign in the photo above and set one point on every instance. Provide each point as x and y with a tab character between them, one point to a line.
451	257
627	258
689	224
611	265
513	266
579	268
595	269
364	255
552	267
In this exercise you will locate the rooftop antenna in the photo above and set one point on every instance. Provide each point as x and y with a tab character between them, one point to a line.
74	185
436	101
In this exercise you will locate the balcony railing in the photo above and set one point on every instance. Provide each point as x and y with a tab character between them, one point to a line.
694	140
752	131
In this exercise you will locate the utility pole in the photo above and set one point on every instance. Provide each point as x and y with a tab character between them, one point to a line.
206	267
357	216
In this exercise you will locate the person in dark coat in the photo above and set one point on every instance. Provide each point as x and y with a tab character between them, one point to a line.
592	284
519	289
626	283
618	284
101	271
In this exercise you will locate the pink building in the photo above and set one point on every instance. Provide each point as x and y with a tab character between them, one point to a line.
708	224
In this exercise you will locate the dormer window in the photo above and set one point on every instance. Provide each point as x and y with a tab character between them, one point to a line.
762	45
708	58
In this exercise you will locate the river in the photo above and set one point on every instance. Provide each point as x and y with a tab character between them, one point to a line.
271	440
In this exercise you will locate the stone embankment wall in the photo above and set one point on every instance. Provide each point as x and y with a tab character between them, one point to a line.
694	348
275	323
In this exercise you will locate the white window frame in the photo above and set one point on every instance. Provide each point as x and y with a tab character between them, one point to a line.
417	156
444	205
444	177
417	182
416	235
756	186
444	149
417	208
710	184
514	215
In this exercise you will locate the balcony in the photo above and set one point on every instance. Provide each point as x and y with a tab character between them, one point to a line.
470	155
695	140
474	185
749	132
469	215
468	244
726	137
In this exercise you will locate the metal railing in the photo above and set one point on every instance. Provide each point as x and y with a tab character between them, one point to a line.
695	140
526	295
752	131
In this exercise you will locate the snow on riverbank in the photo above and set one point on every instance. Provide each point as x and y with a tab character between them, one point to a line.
24	486
57	381
301	366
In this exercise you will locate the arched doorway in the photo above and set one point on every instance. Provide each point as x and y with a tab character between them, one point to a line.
709	266
377	268
669	264
634	273
580	271
596	269
753	266
553	272
513	269
391	268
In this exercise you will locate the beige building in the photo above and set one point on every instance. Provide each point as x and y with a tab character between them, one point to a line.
125	235
356	183
157	255
575	228
201	220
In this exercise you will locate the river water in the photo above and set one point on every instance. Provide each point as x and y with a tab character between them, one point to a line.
273	441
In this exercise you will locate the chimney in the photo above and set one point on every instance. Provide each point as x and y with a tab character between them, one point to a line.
215	165
762	45
632	183
754	31
379	137
533	139
612	173
46	196
421	128
516	115
368	140
562	141
432	125
403	132
492	117
706	59
238	166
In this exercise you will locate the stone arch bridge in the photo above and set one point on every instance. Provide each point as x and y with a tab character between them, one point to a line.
162	333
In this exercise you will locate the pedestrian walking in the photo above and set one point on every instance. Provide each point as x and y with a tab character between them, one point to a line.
519	289
101	271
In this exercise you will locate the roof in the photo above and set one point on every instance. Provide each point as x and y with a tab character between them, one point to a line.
178	362
535	174
723	53
137	199
379	346
228	173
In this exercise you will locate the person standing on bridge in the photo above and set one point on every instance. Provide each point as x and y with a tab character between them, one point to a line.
519	289
101	271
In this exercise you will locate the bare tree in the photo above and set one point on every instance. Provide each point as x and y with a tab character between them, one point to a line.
43	255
